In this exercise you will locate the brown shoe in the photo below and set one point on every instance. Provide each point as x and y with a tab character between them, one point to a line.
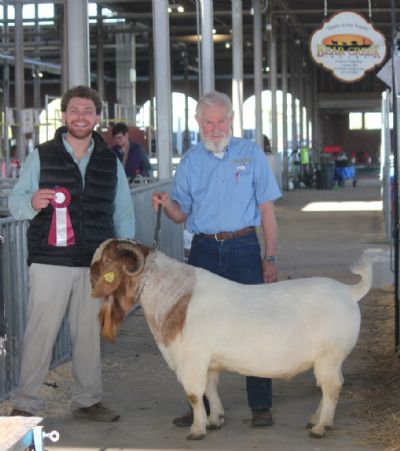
261	418
96	412
20	413
184	421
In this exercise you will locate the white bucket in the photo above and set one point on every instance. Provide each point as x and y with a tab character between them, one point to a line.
383	276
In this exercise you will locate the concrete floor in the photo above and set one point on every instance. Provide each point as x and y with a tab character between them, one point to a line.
145	391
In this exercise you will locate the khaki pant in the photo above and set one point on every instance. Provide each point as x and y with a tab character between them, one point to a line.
55	290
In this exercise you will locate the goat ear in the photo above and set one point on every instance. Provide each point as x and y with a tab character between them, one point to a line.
94	272
106	284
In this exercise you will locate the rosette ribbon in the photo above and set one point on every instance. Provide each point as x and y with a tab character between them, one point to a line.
61	231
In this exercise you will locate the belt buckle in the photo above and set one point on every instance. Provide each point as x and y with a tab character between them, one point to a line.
216	238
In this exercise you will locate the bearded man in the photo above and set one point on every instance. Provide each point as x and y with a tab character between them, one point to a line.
223	189
74	191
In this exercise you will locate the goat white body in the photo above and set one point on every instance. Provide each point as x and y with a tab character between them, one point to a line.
273	330
204	323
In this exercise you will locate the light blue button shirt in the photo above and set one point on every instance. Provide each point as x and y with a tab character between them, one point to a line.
224	194
19	201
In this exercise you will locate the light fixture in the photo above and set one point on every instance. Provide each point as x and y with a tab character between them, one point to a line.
227	45
37	73
176	8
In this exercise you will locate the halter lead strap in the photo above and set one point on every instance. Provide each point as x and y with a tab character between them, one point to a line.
156	241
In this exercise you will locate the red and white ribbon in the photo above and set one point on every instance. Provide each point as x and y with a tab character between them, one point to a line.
61	231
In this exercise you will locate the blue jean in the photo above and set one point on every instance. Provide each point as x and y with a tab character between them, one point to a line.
238	260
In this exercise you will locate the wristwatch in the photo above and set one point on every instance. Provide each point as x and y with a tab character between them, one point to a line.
271	259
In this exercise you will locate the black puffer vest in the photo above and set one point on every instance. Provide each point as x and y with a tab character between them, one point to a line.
91	208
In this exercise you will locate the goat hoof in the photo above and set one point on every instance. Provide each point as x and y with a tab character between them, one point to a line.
310	425
193	436
217	424
314	434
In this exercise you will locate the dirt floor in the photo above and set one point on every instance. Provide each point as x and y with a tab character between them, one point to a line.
326	243
140	385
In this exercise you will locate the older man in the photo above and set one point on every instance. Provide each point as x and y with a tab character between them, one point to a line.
223	189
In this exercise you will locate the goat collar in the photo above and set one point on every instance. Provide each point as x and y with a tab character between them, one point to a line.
147	269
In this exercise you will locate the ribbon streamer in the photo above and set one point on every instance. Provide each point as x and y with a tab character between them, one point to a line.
61	231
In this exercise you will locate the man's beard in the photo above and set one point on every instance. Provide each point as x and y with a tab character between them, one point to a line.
79	133
216	147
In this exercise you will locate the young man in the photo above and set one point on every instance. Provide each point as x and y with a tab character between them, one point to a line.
131	154
223	189
75	194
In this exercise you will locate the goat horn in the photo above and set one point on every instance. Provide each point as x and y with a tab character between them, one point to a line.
128	247
99	251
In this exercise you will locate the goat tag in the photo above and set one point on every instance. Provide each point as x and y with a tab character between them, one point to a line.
109	276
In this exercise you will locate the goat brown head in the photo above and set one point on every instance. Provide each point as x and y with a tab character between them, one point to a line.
115	272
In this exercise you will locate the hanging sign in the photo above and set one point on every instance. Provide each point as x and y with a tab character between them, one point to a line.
27	120
348	46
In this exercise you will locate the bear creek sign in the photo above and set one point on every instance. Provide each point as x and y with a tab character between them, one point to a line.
348	46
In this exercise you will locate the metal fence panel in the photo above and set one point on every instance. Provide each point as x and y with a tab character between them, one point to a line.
15	294
171	235
15	278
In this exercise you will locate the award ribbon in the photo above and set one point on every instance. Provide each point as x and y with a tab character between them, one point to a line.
61	231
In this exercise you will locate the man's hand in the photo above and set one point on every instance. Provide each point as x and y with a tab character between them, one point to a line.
159	198
170	207
270	272
42	198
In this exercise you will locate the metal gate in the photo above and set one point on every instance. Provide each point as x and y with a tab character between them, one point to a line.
14	280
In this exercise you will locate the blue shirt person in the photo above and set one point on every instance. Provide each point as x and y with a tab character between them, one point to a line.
223	189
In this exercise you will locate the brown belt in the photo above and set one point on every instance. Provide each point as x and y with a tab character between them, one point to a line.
221	236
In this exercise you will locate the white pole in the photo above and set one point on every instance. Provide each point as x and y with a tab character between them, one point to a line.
77	26
162	76
237	56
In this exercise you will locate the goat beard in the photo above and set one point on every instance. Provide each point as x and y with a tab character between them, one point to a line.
110	317
216	147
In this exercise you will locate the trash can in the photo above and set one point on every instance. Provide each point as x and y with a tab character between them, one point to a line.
325	175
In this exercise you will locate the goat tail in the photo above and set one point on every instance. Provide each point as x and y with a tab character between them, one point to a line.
363	268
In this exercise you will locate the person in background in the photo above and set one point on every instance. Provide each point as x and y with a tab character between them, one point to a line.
223	189
267	144
131	154
75	193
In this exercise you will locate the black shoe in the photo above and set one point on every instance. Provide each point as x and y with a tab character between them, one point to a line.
261	418
184	421
20	413
96	412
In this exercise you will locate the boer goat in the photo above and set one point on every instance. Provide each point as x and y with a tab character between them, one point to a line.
204	324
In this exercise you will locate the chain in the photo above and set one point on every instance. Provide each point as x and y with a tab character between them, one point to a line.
3	348
369	9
